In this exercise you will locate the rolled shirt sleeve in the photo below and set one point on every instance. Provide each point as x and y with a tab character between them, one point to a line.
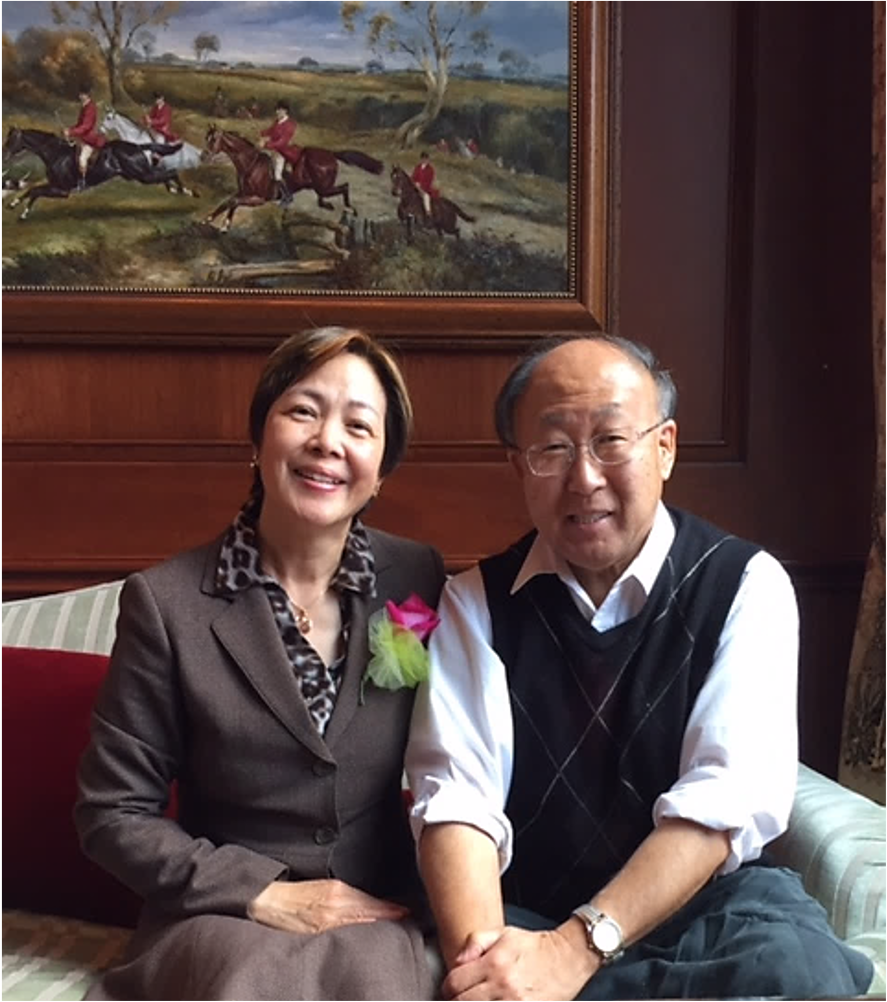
740	748
459	759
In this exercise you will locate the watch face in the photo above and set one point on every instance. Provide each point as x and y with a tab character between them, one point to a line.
606	937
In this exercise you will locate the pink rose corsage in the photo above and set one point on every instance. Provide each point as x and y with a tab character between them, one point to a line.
397	635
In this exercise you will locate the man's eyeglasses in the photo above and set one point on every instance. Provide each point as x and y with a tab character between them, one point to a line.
609	448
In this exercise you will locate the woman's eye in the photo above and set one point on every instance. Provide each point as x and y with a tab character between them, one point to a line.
301	410
361	427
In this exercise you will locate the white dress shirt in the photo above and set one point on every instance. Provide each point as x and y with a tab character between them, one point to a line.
738	763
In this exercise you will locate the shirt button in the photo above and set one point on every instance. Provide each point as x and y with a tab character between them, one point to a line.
323	836
322	768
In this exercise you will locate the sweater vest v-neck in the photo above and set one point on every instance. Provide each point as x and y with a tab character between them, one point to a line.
599	718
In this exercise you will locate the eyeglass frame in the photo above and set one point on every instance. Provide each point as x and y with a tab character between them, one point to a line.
588	448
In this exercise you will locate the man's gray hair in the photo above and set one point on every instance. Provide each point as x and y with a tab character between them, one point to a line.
519	377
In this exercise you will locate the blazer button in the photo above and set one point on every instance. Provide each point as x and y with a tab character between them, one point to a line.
323	836
322	768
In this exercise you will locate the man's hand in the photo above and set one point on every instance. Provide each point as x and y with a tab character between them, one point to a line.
515	963
313	906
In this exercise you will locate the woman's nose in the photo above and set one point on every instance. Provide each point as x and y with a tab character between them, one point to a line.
328	436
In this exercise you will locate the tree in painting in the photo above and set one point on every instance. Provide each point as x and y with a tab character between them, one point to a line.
147	42
429	34
113	25
205	43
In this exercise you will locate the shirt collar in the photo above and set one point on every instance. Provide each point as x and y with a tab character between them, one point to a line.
239	566
644	569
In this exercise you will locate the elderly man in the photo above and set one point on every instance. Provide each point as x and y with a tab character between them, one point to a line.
610	724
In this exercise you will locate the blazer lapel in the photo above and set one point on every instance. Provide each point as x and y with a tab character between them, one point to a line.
358	654
356	659
247	631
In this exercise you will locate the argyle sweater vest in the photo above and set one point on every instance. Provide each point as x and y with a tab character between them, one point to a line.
599	718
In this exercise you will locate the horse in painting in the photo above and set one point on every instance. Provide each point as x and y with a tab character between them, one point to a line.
316	169
115	159
411	208
186	157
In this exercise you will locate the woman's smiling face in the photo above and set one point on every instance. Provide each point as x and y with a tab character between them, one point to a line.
323	443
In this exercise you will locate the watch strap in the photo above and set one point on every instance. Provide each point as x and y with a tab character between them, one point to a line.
592	917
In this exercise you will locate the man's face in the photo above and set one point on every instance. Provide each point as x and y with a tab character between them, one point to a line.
596	517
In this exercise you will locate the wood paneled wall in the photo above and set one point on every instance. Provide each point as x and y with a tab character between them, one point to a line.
739	251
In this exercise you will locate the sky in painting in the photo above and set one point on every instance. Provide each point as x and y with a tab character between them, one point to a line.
284	32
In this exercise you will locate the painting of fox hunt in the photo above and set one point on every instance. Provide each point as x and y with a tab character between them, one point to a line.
366	148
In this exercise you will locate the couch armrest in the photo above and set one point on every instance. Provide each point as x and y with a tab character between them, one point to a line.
835	840
82	620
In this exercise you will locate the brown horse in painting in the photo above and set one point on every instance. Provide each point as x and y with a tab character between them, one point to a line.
315	169
411	208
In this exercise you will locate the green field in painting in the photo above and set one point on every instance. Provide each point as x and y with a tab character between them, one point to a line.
130	235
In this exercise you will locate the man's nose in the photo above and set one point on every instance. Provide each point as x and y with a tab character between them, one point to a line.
586	473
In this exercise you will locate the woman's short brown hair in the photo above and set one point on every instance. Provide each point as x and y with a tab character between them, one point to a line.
300	354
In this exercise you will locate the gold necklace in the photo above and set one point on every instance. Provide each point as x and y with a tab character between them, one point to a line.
300	613
303	620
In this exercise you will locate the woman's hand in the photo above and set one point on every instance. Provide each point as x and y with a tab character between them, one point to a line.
316	905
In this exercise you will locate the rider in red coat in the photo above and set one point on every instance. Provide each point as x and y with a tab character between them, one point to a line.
84	131
159	119
423	178
277	138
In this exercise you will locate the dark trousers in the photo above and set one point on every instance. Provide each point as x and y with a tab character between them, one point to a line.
752	933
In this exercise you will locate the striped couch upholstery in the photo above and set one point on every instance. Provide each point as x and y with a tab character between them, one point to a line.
82	620
836	839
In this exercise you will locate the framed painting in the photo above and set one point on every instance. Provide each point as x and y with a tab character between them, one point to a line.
193	173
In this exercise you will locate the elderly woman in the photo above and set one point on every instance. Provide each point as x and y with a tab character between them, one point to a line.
239	674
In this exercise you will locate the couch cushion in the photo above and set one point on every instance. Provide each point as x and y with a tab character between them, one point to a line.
47	699
47	957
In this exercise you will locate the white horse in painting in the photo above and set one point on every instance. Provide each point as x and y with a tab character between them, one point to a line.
185	158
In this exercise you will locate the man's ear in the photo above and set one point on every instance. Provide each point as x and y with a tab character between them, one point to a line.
667	445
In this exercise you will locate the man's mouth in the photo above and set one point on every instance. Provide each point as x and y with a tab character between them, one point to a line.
589	518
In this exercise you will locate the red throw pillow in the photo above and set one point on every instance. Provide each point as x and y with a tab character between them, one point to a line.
47	699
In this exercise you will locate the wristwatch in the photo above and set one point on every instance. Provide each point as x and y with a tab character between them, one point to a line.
603	933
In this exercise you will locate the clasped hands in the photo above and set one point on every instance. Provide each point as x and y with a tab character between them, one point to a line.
512	963
504	963
312	906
